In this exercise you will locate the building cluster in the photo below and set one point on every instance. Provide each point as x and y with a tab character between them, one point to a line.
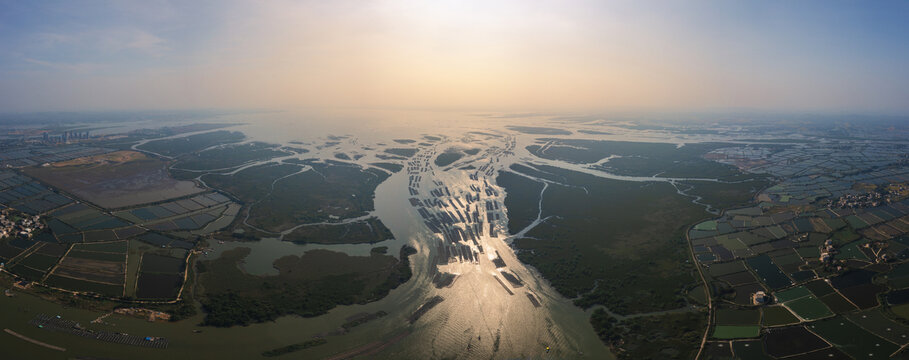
66	136
827	251
890	194
876	248
15	224
760	298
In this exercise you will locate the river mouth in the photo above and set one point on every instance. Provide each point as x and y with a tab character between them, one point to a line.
488	310
482	314
452	212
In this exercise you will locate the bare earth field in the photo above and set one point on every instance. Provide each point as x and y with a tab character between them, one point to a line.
114	180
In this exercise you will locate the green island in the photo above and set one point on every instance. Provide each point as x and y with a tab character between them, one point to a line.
192	143
307	285
228	156
330	191
448	157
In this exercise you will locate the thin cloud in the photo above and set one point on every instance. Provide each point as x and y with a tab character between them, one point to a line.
62	66
106	41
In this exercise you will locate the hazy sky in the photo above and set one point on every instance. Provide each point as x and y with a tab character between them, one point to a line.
473	55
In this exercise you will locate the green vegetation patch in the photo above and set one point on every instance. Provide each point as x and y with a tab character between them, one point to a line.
716	270
370	231
97	255
112	247
747	211
706	225
901	311
852	251
731	243
27	273
651	337
626	235
837	303
229	156
725	195
739	278
153	263
901	270
810	252
834	223
8	251
252	183
39	262
68	283
819	288
768	272
640	158
329	190
788	259
307	285
844	236
877	323
792	294
749	350
852	339
809	308
522	210
736	332
777	231
778	315
788	341
448	157
158	286
188	144
738	317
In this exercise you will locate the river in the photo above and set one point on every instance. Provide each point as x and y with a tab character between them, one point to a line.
479	318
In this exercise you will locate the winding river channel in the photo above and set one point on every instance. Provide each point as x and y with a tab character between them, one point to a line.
481	316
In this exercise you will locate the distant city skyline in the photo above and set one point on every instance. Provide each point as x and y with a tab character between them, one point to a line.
816	56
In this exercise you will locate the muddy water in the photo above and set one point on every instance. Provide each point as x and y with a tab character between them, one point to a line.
477	319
